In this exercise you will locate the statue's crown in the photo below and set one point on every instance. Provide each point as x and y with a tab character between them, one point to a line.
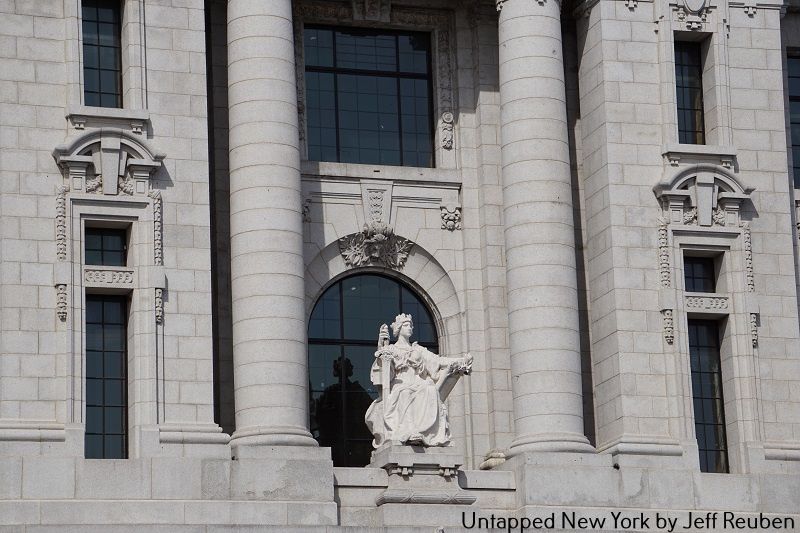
399	320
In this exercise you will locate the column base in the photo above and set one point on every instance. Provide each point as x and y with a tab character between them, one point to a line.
550	442
245	440
282	473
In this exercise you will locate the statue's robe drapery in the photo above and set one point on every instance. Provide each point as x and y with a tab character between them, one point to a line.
413	410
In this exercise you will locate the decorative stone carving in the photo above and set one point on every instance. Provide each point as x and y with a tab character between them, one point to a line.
747	241
663	254
108	161
492	459
750	10
159	303
719	216
158	250
632	4
61	222
307	210
669	326
125	186
61	301
693	13
158	244
93	185
707	303
376	244
703	194
413	383
747	244
451	217
108	277
375	204
447	130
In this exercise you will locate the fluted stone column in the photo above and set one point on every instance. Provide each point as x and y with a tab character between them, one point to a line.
539	231
269	328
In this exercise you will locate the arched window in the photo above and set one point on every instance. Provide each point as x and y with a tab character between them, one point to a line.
342	338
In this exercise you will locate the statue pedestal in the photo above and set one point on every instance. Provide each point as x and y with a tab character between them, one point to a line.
419	474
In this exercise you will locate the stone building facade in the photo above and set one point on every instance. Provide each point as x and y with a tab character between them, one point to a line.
586	210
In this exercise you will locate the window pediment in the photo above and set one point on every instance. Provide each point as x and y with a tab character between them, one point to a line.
108	161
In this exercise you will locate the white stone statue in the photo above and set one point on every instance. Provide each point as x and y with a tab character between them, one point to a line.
414	383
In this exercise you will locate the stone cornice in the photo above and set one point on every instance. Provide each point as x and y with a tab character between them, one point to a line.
500	3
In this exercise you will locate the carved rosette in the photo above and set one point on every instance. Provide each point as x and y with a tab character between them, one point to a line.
376	244
447	130
451	217
754	329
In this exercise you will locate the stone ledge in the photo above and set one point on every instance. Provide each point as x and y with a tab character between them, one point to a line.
360	477
135	120
486	480
324	169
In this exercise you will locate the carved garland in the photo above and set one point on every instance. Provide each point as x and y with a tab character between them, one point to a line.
666	277
750	278
61	248
158	250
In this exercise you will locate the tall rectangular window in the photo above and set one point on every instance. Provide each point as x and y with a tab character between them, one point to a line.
689	89
793	63
368	96
105	246
709	415
699	274
102	58
106	377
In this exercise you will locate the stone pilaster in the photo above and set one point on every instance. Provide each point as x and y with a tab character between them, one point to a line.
539	231
269	326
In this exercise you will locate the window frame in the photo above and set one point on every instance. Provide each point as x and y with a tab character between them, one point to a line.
119	9
698	135
125	403
719	418
793	53
104	231
397	75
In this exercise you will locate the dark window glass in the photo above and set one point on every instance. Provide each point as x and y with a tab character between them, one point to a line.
106	378
102	58
793	63
368	96
699	274
709	415
106	246
689	88
342	337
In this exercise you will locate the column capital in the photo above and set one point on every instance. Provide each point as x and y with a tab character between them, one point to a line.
500	3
